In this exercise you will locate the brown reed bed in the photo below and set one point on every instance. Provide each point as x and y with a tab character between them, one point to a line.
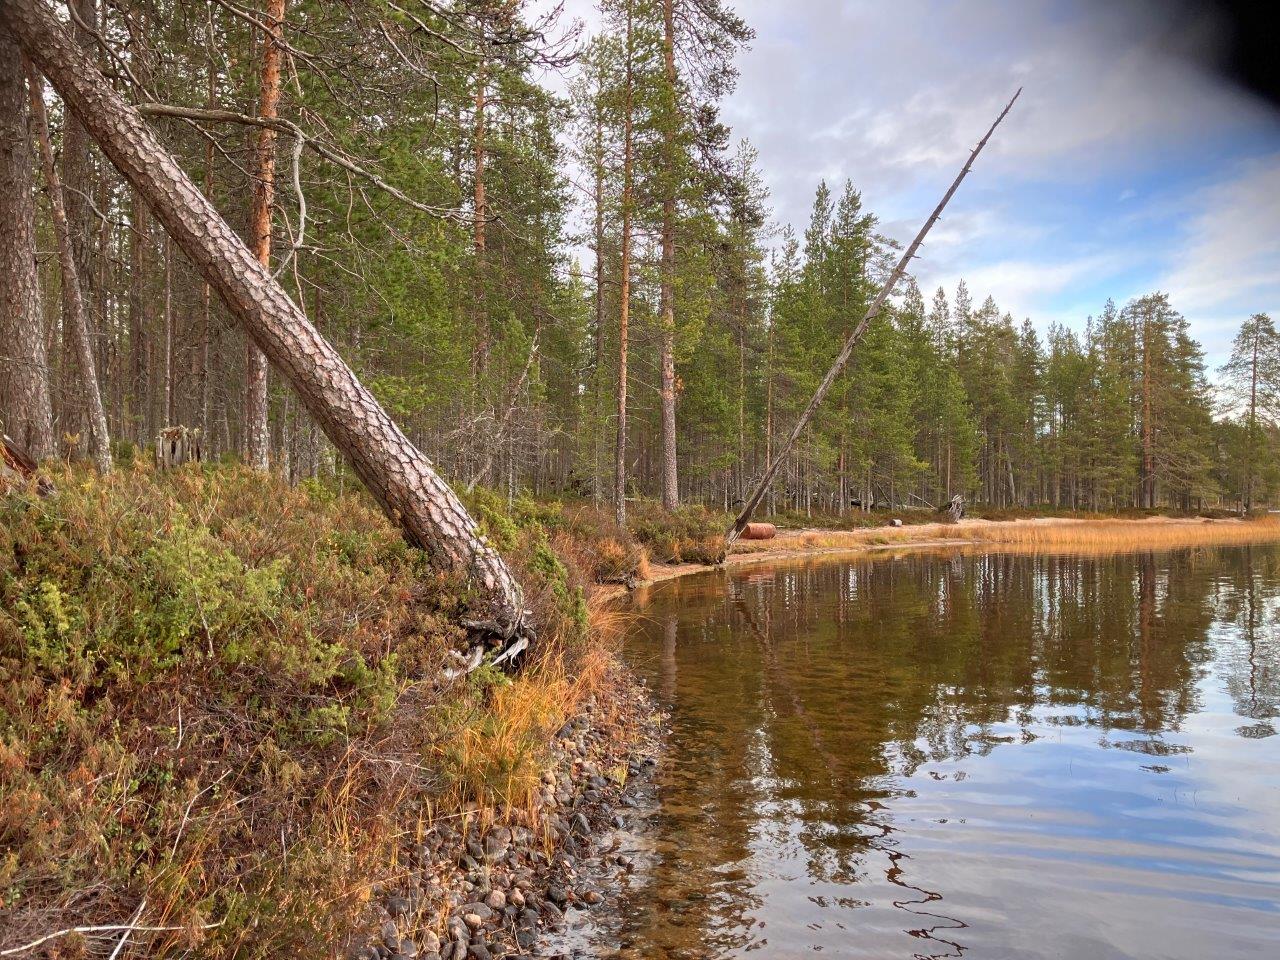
1047	534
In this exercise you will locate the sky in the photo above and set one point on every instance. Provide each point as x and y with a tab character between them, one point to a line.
1128	165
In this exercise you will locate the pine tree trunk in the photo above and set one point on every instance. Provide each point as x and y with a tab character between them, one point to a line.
24	373
74	320
624	308
1147	498
200	358
480	355
597	428
257	427
768	417
168	345
396	473
1253	426
667	389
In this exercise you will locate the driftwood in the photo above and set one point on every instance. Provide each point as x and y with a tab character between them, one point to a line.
178	445
857	333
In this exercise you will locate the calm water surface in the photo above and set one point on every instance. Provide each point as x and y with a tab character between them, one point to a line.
986	756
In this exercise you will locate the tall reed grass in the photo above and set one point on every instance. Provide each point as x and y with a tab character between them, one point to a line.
1109	535
1102	535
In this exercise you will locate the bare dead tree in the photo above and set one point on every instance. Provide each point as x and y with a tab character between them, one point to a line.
399	476
856	334
512	400
72	299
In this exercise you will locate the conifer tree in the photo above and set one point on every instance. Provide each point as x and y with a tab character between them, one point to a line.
1251	378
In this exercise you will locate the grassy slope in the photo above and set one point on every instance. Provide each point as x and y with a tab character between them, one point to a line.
223	695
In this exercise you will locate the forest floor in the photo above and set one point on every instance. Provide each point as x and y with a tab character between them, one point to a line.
224	729
1093	535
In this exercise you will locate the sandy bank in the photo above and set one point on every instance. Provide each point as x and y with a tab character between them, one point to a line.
1045	533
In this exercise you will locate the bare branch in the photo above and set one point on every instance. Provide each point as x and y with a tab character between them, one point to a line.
282	125
131	927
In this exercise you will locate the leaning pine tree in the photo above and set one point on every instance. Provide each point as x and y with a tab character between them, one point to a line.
851	341
399	476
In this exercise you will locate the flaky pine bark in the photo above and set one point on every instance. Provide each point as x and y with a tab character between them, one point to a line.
74	317
256	427
667	389
396	473
856	335
76	413
624	309
24	362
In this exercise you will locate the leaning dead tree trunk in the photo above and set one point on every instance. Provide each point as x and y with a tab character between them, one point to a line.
501	430
399	476
73	303
855	335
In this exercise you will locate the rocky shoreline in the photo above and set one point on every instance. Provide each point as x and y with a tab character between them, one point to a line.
481	886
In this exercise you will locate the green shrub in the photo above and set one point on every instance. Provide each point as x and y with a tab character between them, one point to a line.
689	534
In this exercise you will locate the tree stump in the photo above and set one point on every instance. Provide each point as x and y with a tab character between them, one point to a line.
955	509
17	467
178	445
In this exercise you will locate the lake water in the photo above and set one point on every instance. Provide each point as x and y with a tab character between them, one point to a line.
985	755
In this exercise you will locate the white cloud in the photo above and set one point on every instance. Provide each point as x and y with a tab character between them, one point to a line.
894	95
1024	288
1229	264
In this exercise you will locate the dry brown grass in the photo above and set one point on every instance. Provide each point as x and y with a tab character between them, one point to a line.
494	759
1103	535
1107	536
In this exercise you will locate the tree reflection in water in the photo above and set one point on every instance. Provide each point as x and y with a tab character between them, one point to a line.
984	742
